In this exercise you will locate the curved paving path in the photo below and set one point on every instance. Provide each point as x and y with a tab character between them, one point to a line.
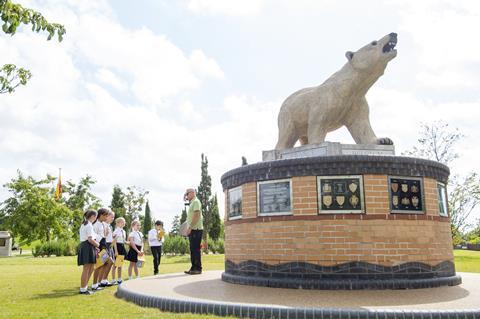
207	293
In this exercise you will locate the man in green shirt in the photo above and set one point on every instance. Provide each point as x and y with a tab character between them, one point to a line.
194	231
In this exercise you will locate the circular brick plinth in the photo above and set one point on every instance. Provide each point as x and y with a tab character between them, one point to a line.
309	247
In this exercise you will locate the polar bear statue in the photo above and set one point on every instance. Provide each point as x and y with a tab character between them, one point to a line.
309	114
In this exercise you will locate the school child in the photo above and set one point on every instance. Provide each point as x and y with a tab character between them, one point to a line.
119	237
135	239
100	235
87	251
110	250
155	241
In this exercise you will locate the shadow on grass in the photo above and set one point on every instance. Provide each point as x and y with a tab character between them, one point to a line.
57	293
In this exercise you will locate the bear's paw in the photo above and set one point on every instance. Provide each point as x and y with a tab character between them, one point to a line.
384	141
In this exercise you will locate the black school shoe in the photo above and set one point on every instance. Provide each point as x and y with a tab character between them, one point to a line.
98	288
193	272
105	285
86	292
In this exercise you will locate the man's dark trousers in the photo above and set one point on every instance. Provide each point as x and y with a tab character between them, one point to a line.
157	255
195	238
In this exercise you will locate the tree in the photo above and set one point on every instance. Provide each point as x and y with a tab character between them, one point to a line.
175	226
204	192
117	203
32	212
11	77
134	201
12	15
216	223
436	142
147	222
183	217
79	199
463	199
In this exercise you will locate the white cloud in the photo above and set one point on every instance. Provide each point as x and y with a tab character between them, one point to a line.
229	8
108	77
204	66
444	38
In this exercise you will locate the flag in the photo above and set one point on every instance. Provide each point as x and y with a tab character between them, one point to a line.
58	189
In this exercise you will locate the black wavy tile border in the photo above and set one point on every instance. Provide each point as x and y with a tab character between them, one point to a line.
277	312
347	276
335	165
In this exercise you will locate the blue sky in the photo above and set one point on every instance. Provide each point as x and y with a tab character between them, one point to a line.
138	90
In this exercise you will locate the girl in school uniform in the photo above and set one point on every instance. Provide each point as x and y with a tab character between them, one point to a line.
100	235
87	251
135	239
119	237
110	250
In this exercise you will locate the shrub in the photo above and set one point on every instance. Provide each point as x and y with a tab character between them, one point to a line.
57	248
176	245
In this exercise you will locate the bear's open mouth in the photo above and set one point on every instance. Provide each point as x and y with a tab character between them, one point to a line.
389	46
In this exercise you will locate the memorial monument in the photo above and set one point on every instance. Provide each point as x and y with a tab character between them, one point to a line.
333	216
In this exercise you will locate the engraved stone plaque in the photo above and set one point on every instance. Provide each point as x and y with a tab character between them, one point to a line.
442	200
274	197
235	202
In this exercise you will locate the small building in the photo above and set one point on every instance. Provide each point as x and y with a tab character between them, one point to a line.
5	244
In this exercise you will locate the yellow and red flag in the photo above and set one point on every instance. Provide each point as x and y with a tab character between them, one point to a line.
58	189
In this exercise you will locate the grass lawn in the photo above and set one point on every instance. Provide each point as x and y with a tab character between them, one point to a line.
48	287
467	260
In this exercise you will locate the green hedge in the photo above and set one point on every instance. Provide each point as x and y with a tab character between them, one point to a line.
56	248
178	245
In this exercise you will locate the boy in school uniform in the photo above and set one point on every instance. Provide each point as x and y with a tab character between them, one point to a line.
155	240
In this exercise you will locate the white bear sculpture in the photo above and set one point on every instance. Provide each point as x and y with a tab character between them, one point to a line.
309	114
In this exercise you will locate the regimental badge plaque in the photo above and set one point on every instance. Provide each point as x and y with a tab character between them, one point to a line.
340	194
406	194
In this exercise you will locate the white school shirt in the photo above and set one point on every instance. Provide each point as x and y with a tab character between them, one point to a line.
109	237
137	237
86	231
152	238
99	230
120	235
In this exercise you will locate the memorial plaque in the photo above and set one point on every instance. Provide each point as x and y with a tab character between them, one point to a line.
442	200
405	195
235	202
340	194
274	197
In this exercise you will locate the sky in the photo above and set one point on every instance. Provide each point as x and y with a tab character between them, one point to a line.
138	90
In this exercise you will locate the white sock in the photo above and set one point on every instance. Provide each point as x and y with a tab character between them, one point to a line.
137	277
95	286
104	281
129	277
83	289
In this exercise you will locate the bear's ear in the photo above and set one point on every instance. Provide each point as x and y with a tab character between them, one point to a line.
349	55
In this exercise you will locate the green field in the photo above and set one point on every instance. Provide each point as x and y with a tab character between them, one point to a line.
467	260
48	287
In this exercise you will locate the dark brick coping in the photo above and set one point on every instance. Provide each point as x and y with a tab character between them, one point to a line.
269	312
346	276
266	219
336	165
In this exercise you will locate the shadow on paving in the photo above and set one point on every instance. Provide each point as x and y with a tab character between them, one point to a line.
216	290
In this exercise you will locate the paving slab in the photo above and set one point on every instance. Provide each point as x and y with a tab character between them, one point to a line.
207	293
